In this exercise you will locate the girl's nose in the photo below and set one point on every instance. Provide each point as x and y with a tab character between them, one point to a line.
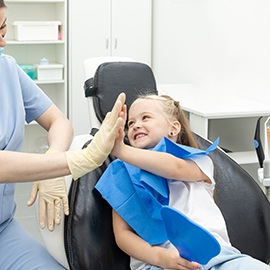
137	125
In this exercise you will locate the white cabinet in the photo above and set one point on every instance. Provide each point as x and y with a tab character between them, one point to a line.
32	51
102	28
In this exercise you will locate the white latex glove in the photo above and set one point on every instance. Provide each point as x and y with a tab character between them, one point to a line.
52	194
85	160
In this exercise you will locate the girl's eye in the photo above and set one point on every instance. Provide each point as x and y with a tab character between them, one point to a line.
145	117
130	124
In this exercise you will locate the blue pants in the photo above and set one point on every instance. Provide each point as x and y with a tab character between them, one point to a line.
20	251
229	259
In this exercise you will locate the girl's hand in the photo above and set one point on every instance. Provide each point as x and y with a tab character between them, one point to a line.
170	259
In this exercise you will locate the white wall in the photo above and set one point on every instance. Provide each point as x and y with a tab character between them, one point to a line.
220	44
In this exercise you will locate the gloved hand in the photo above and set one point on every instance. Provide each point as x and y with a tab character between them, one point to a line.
86	160
52	194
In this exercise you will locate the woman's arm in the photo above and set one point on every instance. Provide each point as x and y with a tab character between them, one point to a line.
136	247
24	167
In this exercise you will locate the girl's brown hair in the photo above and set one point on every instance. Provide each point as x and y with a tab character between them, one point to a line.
172	111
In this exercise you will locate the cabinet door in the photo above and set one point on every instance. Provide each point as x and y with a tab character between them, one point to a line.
89	28
131	29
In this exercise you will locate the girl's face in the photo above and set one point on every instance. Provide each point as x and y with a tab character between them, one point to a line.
3	26
147	124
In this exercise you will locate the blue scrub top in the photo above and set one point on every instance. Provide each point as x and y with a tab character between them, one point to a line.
20	100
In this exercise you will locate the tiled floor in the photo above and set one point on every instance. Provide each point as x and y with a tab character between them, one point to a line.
25	214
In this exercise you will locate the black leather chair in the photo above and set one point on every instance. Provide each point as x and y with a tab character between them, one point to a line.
89	240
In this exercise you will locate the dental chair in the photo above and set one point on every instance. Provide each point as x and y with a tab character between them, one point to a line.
87	231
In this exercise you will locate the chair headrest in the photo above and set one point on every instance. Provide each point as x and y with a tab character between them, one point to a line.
112	78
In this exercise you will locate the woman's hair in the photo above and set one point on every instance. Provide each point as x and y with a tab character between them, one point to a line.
173	112
2	4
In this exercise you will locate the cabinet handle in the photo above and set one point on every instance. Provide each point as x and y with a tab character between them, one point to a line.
115	43
107	43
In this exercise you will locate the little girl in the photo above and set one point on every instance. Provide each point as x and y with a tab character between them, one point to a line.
190	190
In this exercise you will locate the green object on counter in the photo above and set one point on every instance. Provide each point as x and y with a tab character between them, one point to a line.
30	70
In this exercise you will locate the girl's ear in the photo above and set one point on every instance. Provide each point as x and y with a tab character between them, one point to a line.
175	129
